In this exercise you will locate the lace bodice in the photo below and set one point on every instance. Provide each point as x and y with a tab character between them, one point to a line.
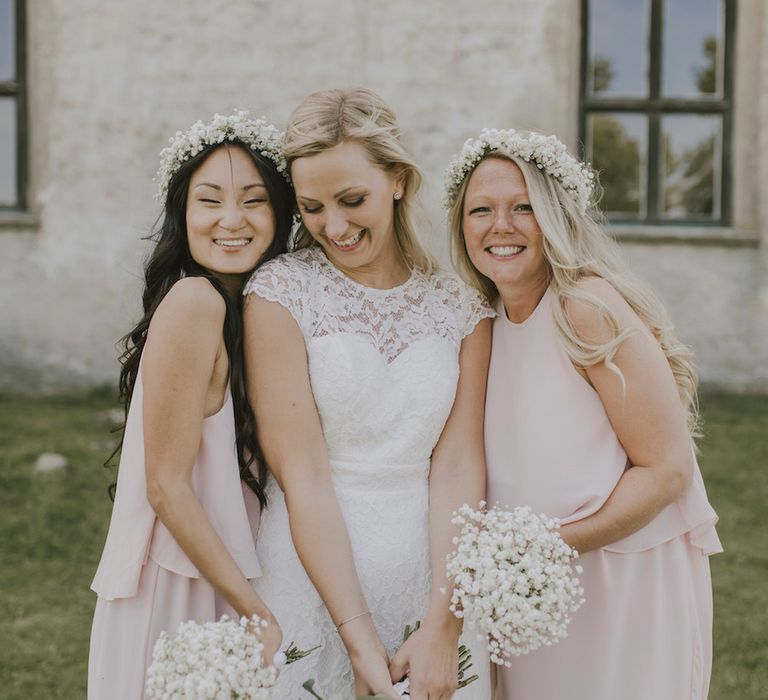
383	363
384	366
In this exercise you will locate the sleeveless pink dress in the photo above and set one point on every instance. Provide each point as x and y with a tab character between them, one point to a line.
145	582
645	630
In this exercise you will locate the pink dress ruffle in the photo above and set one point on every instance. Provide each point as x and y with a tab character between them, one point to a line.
145	583
645	630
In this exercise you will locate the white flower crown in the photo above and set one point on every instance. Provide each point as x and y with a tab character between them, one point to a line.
547	152
259	134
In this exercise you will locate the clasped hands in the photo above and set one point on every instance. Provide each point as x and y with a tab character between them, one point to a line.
428	658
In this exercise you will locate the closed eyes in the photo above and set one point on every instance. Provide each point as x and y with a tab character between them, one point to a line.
247	202
352	203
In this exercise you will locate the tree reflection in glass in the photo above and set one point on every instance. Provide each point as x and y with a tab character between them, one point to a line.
693	57
618	47
690	166
7	151
617	146
7	41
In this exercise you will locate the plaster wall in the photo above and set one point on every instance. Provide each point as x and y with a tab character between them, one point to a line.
109	82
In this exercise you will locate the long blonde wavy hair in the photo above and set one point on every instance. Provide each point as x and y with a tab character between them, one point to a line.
576	246
330	117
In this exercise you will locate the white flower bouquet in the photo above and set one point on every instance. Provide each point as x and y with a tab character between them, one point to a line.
513	579
215	660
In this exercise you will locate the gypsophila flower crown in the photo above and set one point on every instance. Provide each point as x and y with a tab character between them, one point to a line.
547	152
259	134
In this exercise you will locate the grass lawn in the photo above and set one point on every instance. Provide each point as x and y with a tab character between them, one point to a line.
53	527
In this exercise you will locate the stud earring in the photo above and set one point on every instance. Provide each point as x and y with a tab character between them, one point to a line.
398	196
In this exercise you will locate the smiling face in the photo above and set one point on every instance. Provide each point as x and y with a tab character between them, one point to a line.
347	205
503	238
230	221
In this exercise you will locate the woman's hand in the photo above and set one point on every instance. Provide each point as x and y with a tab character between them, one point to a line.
271	637
430	659
372	674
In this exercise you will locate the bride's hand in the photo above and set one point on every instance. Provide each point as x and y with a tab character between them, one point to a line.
430	659
372	674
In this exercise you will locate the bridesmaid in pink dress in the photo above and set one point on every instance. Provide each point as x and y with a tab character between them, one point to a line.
590	413
181	539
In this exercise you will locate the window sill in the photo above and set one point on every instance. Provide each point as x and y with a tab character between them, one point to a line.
686	235
11	219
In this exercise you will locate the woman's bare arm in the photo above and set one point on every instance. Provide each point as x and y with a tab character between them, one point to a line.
649	420
177	366
292	440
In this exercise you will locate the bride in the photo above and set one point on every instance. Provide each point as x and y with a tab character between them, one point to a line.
367	369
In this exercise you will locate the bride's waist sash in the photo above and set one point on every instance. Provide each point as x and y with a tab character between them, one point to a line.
379	475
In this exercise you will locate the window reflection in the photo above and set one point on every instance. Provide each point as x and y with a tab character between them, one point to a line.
693	48
618	31
7	151
617	144
7	41
690	166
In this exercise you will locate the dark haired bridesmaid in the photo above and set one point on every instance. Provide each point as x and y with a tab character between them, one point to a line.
181	544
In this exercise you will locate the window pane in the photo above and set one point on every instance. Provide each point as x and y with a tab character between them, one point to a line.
690	166
693	48
7	41
7	151
618	47
617	147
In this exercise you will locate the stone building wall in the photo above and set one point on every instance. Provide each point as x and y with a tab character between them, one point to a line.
109	82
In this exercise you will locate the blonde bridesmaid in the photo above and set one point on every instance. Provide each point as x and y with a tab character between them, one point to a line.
590	413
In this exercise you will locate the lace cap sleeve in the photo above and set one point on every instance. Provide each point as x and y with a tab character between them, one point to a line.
474	308
468	306
462	306
286	280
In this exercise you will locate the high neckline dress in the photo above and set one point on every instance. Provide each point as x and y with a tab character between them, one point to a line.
645	630
384	367
145	583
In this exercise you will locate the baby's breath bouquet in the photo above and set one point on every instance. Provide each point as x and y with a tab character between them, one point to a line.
215	660
512	579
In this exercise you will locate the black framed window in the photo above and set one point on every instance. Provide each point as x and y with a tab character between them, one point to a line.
655	107
13	153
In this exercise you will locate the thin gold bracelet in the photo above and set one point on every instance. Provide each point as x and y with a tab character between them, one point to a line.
349	619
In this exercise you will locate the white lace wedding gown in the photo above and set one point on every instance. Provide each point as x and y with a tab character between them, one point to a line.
384	369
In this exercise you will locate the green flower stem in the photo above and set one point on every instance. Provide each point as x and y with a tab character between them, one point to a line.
294	654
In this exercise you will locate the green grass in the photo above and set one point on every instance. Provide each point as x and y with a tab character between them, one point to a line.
53	526
735	466
52	529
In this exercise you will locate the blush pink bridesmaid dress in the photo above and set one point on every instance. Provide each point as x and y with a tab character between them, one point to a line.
145	583
645	630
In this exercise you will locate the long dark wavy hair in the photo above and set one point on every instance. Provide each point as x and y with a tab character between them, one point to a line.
170	261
